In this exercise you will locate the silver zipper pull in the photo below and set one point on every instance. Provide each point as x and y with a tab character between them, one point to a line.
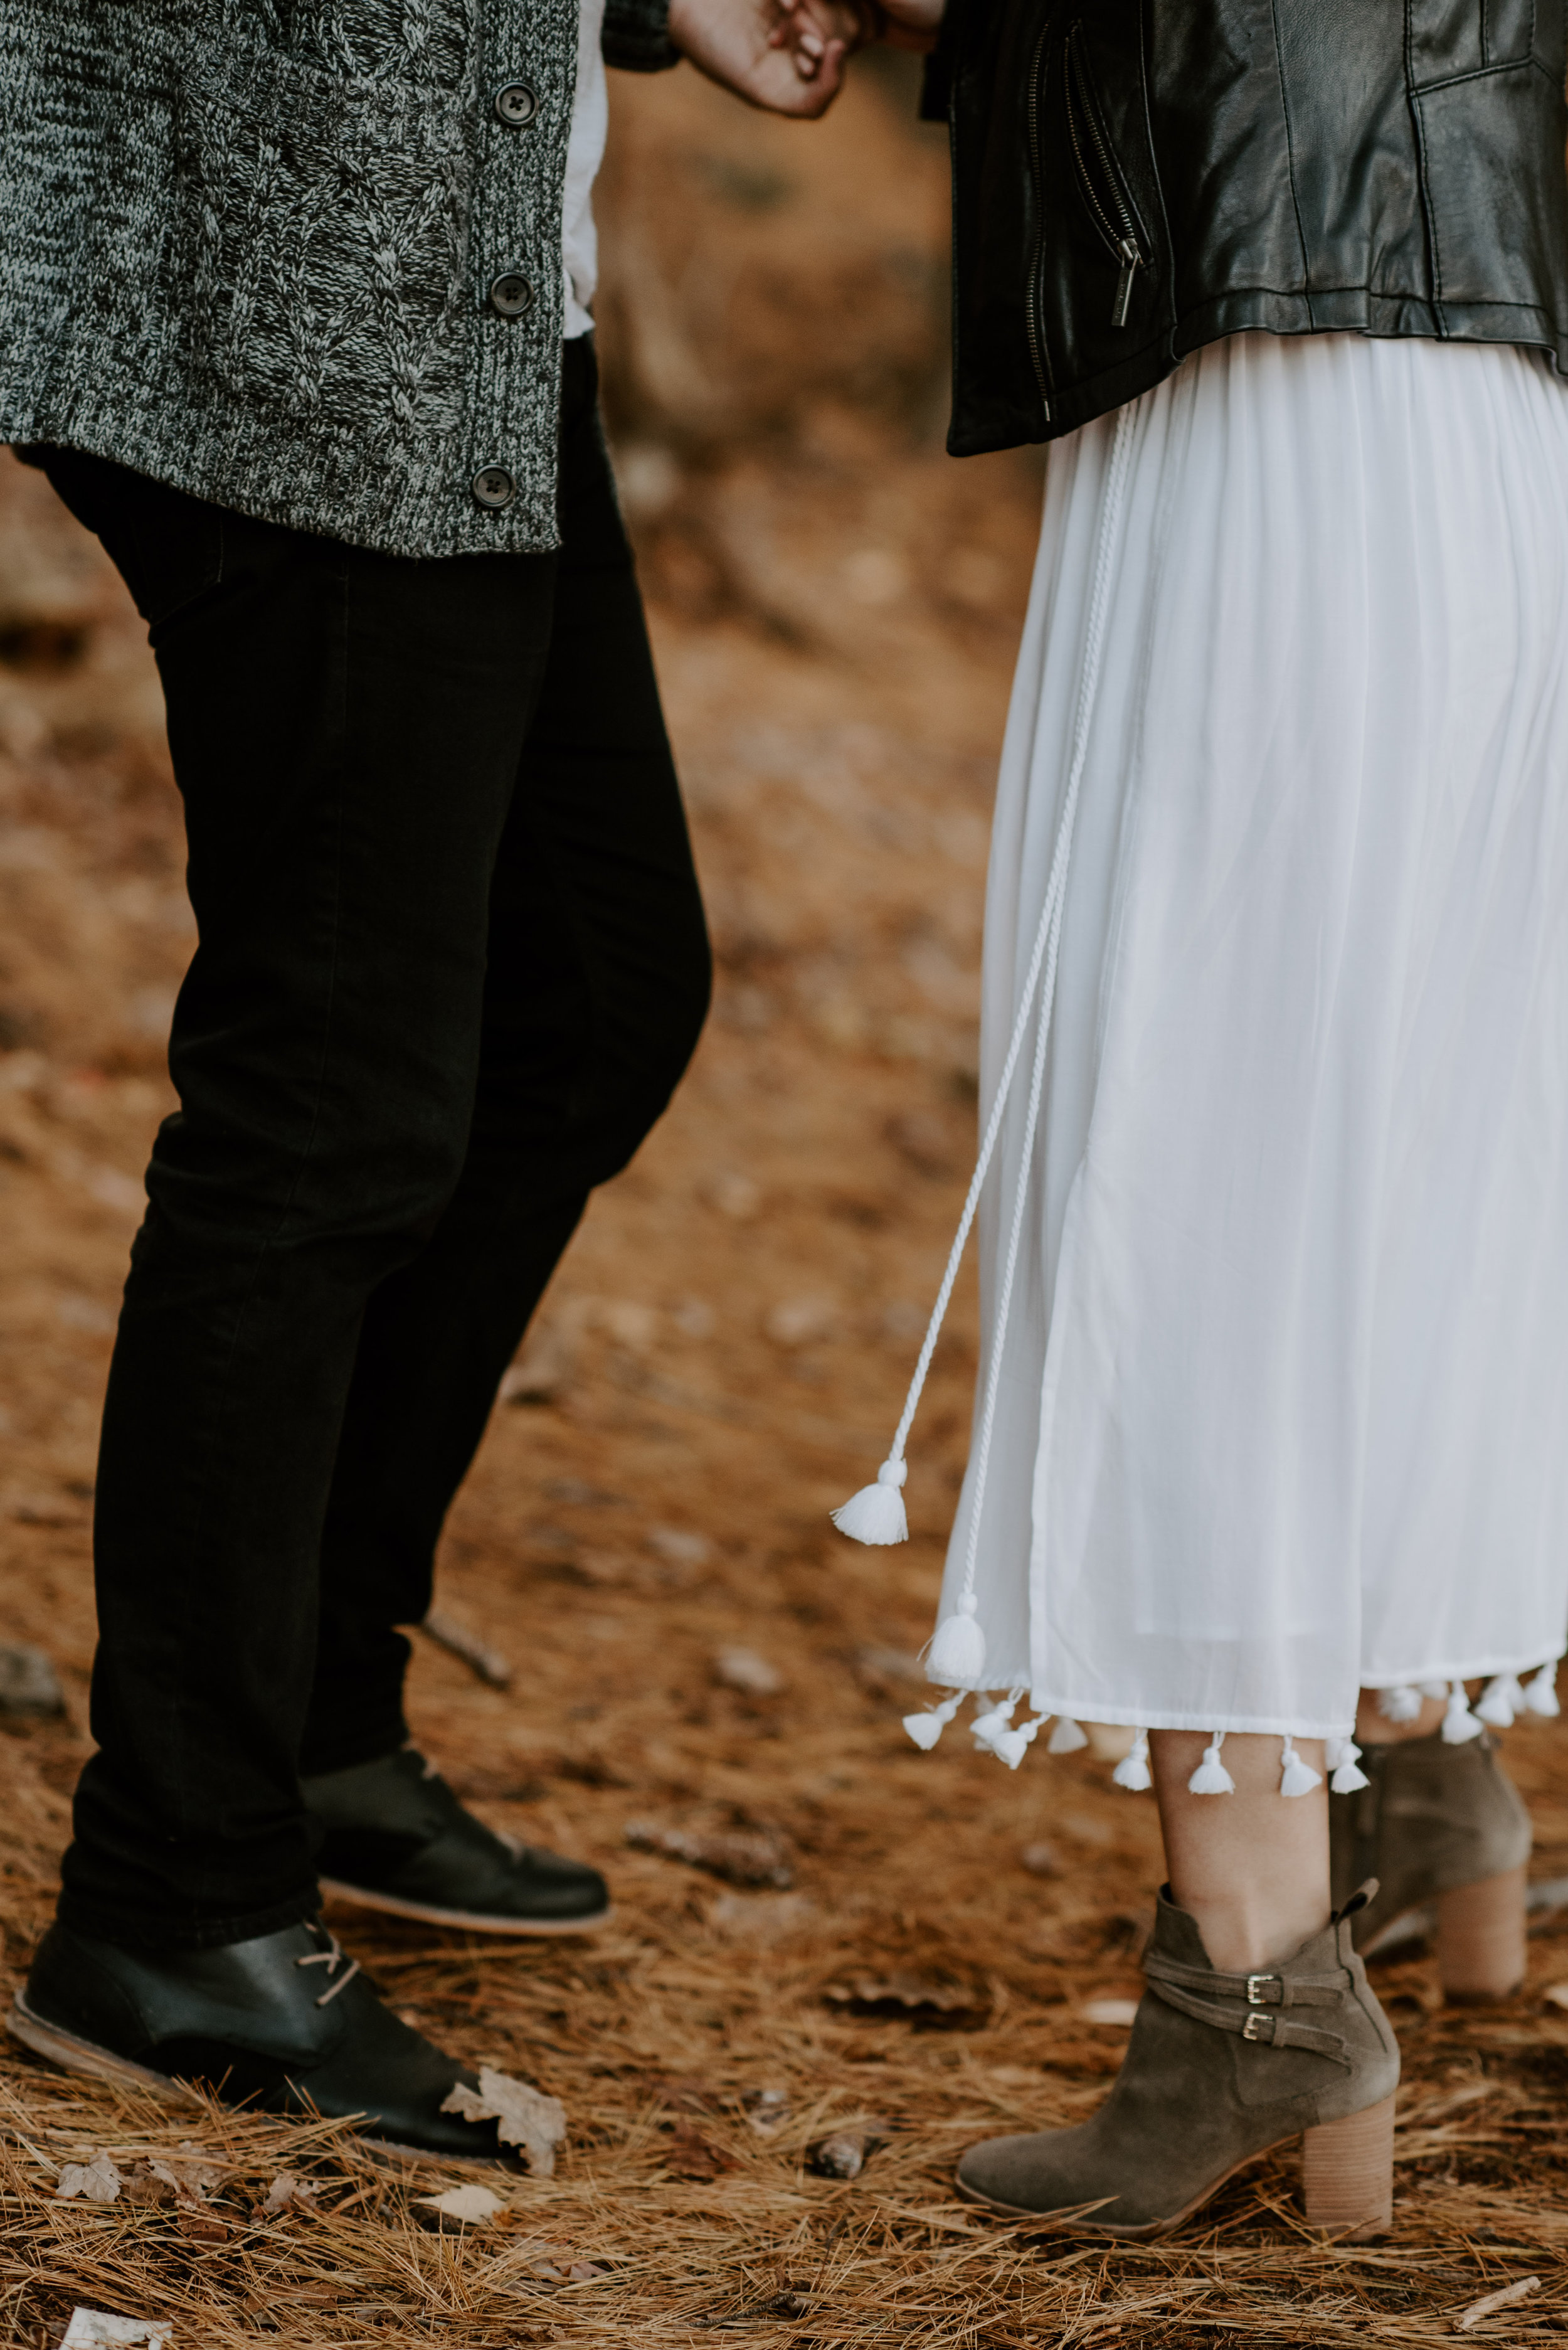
1132	261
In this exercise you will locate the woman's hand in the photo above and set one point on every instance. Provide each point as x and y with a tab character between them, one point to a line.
780	55
902	23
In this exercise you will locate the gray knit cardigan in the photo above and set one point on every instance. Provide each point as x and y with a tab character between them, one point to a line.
246	246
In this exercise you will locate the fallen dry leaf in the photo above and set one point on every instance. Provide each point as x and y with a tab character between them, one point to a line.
201	2227
524	2116
800	1321
190	2169
29	1681
556	2269
918	1999
793	2301
843	2153
690	2155
733	1194
745	1669
543	1370
680	1545
761	1917
97	2181
744	1857
144	2186
1557	1993
488	1663
289	2193
98	2329
465	2207
1118	2012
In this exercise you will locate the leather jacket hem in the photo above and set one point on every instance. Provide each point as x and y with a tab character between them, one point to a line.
985	425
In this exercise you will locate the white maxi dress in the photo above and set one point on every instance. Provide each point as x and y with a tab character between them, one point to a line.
1281	1400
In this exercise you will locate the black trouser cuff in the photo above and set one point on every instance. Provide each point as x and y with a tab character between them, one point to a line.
162	1930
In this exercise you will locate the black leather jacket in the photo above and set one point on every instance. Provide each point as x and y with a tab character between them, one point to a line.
1134	177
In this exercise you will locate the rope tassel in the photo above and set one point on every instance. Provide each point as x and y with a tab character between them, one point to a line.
957	1652
1014	1745
1460	1724
925	1728
1402	1703
1344	1758
1296	1777
1066	1738
876	1513
1211	1778
1132	1771
987	1728
1540	1693
1502	1700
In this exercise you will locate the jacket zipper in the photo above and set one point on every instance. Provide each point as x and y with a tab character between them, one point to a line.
1034	309
1099	179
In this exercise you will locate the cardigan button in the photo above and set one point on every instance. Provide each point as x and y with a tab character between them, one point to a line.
510	294
516	105
493	486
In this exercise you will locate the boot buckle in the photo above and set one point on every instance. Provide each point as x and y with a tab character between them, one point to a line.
1255	2027
1256	1996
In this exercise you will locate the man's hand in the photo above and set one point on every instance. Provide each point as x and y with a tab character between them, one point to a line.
777	54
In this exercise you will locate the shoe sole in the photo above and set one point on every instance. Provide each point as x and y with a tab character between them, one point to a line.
472	1921
85	2056
1147	2234
74	2056
1346	2144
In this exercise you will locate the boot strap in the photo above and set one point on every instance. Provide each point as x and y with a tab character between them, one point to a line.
1265	1989
1262	2024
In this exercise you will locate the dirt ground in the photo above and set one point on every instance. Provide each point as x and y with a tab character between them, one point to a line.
721	1360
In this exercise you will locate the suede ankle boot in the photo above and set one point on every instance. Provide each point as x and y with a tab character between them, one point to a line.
1221	2067
1445	1832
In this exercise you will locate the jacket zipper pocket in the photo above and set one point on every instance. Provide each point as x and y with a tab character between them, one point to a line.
1099	178
1034	308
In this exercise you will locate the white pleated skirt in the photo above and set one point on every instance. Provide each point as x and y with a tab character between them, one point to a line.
1280	1404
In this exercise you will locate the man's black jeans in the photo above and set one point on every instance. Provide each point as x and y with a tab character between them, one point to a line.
452	964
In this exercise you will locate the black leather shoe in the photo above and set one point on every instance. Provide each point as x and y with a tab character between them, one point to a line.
396	1837
283	2024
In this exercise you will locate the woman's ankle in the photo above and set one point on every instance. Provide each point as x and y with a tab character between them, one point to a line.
1250	1867
1248	1938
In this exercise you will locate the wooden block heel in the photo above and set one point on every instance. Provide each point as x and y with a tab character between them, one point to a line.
1481	1938
1347	2173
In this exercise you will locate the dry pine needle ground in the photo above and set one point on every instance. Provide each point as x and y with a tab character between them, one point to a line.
723	1355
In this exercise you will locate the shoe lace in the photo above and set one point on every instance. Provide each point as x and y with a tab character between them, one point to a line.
331	1958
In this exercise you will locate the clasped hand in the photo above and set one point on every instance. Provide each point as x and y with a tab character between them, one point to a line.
789	56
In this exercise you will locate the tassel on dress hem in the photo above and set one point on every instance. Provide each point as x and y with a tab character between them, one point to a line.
993	1731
